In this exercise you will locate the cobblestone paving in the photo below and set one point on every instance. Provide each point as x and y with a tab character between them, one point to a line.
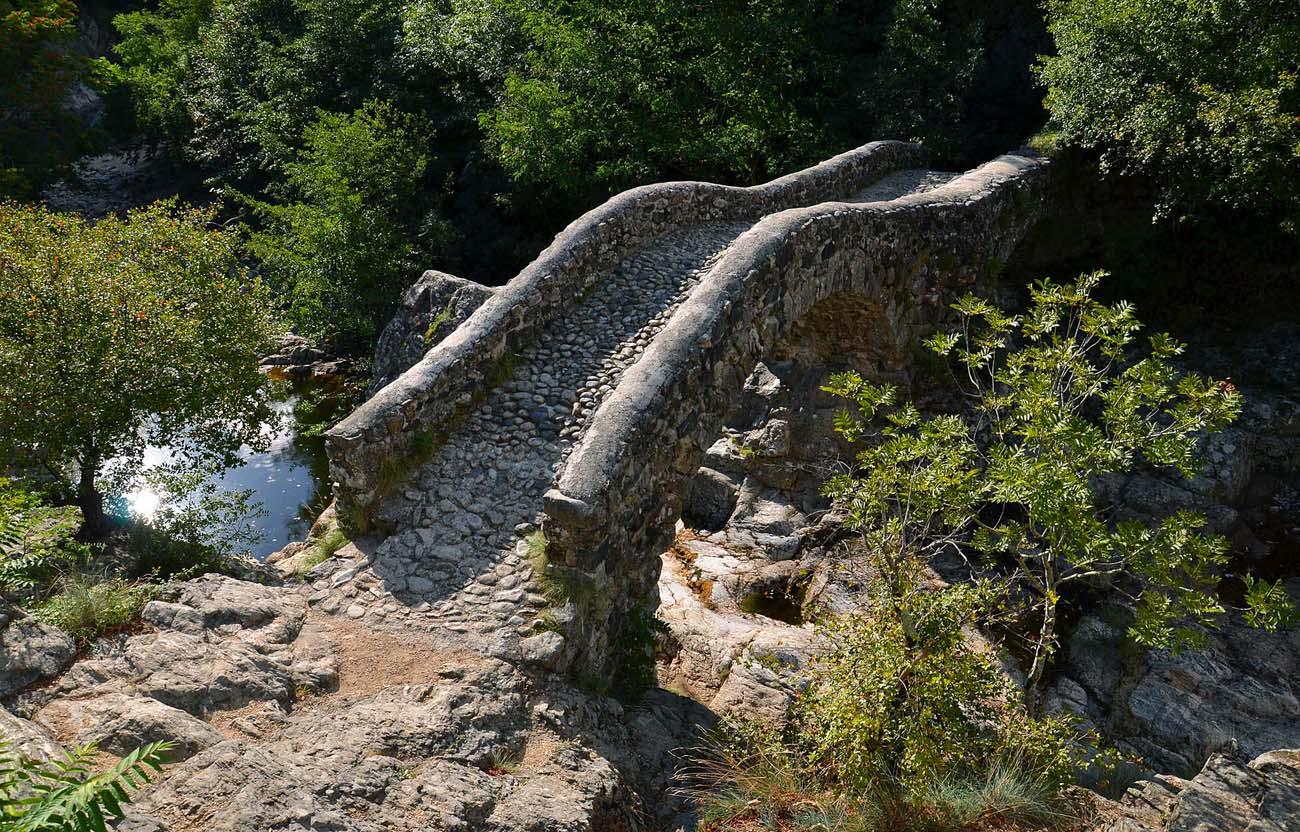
456	564
903	182
453	561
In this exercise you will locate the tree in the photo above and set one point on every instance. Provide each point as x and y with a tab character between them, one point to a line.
612	94
1059	398
39	136
134	331
1203	96
357	230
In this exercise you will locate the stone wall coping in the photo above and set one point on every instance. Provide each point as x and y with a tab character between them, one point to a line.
580	497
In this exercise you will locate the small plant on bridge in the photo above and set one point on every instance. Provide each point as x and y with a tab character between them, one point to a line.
1060	396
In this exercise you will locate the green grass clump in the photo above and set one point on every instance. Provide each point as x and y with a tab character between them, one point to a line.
86	608
323	549
436	324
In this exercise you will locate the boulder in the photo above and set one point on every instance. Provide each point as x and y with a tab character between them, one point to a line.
711	500
431	309
119	722
30	651
28	738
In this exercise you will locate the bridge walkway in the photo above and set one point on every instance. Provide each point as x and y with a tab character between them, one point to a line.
454	561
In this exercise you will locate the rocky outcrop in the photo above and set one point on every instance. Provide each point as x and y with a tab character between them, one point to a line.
29	650
1229	794
1242	689
299	360
288	718
432	308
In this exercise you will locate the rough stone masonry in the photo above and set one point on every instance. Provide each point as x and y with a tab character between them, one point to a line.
591	384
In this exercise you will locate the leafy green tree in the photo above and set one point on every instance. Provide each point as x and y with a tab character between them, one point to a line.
1203	96
155	50
1060	398
134	331
66	795
617	93
39	135
354	234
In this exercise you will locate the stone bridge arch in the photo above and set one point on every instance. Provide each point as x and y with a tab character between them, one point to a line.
584	392
614	505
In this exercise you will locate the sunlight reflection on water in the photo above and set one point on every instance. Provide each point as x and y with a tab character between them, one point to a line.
286	479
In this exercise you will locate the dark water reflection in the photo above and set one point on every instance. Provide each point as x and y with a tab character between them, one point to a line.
289	479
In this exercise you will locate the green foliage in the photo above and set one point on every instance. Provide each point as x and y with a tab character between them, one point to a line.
903	725
1006	791
39	135
900	700
198	526
614	93
1149	83
154	49
323	549
1063	397
130	332
87	607
37	540
346	242
67	795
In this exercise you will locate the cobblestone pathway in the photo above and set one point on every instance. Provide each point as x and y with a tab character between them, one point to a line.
455	564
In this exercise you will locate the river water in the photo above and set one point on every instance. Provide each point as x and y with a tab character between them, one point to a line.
288	479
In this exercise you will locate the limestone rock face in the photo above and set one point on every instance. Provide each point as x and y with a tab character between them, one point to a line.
1262	795
30	651
431	309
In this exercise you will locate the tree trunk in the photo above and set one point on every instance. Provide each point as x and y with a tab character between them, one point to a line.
95	521
1042	654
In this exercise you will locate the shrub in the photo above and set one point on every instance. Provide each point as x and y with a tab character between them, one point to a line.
86	607
903	725
899	699
352	235
36	540
66	795
1064	396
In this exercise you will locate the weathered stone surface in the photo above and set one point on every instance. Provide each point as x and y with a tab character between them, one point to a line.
909	254
30	651
430	394
118	723
1227	795
711	501
29	738
431	309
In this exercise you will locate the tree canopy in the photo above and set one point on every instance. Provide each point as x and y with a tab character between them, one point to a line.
125	333
1202	96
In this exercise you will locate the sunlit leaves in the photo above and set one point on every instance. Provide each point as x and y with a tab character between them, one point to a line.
1148	83
1062	396
128	332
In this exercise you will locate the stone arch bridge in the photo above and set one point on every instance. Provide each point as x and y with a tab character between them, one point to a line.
584	393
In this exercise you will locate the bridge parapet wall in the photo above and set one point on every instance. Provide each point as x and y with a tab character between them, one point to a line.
615	503
374	448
